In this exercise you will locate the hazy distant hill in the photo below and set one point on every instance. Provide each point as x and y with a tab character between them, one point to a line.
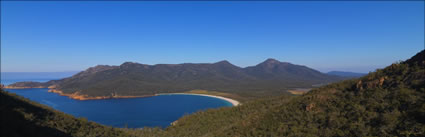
268	77
37	75
346	74
13	77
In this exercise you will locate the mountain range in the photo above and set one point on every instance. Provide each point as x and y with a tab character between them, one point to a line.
388	102
134	79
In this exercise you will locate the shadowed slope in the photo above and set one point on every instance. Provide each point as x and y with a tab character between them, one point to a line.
23	118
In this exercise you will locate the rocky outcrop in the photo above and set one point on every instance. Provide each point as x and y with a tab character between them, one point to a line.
310	107
369	83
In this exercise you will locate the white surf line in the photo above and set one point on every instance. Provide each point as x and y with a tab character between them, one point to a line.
232	101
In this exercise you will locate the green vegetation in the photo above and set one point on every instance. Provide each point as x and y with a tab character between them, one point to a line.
132	79
388	102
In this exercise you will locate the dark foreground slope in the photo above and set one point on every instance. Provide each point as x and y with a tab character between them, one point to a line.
133	79
23	118
388	102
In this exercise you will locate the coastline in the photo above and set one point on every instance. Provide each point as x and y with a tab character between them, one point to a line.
78	96
231	101
12	87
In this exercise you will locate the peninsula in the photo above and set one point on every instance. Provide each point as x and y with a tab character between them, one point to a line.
131	80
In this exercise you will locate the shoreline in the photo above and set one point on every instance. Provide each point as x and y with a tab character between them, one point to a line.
78	96
231	101
12	87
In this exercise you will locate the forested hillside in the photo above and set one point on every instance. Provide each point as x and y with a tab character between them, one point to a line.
270	77
388	102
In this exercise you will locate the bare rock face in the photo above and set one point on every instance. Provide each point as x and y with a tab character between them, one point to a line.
359	85
370	82
310	107
381	81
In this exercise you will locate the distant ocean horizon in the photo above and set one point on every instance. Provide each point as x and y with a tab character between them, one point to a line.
13	77
11	81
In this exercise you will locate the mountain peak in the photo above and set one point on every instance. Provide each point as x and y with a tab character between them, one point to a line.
128	63
223	62
95	69
132	65
272	61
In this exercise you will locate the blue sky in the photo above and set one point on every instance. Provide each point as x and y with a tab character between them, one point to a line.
347	36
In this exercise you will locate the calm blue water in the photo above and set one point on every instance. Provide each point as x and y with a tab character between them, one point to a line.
133	112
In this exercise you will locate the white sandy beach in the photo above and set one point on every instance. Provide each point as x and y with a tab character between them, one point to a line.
233	102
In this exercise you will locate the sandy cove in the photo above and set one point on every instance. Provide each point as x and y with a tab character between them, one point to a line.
79	96
232	101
